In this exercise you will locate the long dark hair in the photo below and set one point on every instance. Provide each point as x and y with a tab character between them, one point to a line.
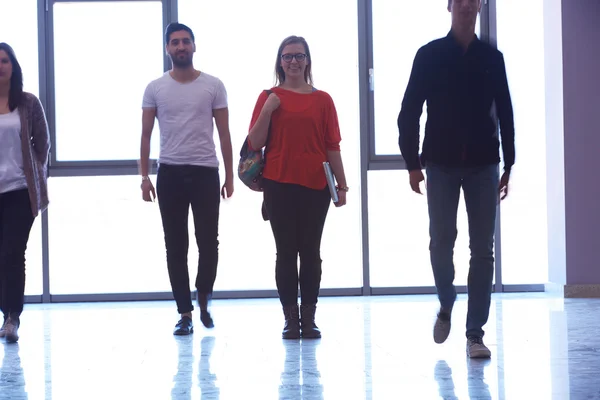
279	73
15	94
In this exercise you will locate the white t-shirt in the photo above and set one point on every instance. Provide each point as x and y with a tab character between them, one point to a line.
12	174
185	118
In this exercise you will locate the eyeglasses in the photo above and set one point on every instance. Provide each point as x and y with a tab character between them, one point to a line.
289	57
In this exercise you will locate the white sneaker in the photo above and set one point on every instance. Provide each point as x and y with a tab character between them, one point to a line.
2	331
441	329
476	348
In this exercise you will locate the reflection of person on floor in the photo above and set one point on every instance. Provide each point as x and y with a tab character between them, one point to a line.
301	378
301	125
182	389
463	80
478	389
12	378
443	377
206	379
185	101
24	149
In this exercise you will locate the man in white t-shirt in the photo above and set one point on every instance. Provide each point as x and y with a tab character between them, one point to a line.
185	101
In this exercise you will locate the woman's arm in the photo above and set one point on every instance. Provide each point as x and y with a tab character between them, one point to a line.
261	119
337	166
40	133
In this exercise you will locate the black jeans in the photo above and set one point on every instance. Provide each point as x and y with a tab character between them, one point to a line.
178	187
16	220
297	215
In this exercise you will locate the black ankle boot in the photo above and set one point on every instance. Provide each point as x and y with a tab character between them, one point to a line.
291	330
310	330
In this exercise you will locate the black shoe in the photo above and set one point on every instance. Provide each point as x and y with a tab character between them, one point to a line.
206	319
203	303
310	330
291	330
184	327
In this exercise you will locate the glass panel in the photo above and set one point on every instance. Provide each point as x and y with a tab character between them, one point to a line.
400	28
114	67
399	234
104	238
218	49
524	211
22	35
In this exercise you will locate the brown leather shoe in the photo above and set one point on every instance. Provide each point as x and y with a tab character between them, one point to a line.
11	329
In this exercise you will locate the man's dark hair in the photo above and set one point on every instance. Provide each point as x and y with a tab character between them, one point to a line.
176	27
15	94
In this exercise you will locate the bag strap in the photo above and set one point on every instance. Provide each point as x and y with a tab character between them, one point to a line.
268	91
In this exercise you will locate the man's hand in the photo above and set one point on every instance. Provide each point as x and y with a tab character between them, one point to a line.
503	186
148	192
415	178
227	190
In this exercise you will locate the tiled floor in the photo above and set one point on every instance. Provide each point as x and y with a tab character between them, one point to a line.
543	347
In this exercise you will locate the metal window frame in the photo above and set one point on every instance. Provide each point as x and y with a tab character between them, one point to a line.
369	161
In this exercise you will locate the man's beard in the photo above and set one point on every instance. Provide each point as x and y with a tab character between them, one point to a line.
181	62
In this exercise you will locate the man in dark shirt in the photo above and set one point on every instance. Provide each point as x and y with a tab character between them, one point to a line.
463	81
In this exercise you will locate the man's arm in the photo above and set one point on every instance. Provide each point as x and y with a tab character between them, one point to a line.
221	116
410	113
505	117
148	116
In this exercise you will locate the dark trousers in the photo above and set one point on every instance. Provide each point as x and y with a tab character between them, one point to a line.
480	187
178	187
16	220
297	215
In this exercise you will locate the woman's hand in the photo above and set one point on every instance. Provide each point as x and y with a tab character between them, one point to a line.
341	198
272	103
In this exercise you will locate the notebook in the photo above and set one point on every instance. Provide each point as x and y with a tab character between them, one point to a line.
331	182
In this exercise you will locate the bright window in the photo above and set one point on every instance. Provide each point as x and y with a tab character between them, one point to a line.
400	28
19	28
524	211
399	234
105	53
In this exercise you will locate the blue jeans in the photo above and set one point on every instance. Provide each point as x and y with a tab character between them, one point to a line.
480	187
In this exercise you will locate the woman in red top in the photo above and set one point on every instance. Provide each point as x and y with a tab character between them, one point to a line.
304	133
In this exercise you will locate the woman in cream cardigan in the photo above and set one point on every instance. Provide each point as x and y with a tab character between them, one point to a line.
24	149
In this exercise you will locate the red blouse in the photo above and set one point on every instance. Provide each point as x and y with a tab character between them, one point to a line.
303	129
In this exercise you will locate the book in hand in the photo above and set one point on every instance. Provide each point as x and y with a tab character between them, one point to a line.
331	182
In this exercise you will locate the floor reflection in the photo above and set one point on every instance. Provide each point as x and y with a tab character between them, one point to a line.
478	388
182	388
183	380
206	379
301	379
12	378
